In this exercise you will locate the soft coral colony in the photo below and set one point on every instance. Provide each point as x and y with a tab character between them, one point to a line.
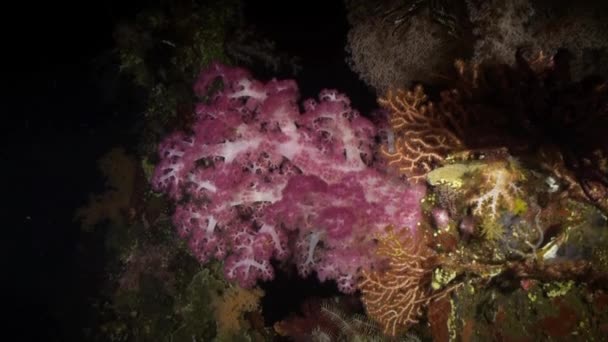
257	178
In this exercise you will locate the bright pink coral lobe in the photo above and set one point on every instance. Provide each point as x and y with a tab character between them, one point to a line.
255	170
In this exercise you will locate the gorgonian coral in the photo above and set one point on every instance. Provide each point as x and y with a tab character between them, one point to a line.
396	295
256	178
424	135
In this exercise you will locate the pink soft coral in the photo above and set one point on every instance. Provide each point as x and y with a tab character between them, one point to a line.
255	170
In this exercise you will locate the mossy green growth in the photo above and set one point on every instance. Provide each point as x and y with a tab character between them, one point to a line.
168	46
154	312
557	288
208	39
453	321
588	231
195	305
148	168
519	206
492	229
441	277
145	312
164	49
526	314
428	202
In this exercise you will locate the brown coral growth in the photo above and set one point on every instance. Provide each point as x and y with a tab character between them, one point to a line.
231	307
439	315
120	171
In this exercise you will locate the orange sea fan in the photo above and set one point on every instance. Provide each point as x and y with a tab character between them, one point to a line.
424	134
396	296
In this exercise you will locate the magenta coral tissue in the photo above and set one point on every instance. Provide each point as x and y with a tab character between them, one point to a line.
255	171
